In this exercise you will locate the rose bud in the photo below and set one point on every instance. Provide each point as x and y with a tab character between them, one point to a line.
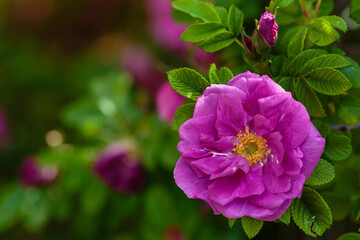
32	174
249	48
265	35
120	168
167	102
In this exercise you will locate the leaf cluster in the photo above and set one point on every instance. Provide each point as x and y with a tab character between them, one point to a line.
218	27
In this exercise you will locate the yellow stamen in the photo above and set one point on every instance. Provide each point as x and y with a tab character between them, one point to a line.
251	146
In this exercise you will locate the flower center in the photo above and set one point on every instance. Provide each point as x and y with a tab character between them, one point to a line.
251	146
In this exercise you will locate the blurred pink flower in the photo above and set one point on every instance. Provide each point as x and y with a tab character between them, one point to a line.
120	169
166	31
167	102
32	174
142	66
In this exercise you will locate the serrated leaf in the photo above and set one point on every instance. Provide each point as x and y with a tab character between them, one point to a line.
337	147
321	32
298	62
336	22
296	44
323	173
285	218
285	39
329	81
235	20
349	236
222	76
184	112
311	213
251	226
217	42
198	32
307	96
225	75
187	82
355	10
324	61
231	222
352	72
223	14
213	74
198	9
349	109
322	127
285	83
277	63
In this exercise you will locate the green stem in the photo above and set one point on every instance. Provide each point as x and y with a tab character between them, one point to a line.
317	8
239	43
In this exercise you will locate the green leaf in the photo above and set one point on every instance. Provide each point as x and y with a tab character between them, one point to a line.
222	12
349	109
225	75
311	213
296	44
251	226
321	32
322	127
298	62
352	72
326	7
284	39
217	42
184	112
285	83
324	61
231	222
219	77
337	147
323	173
198	9
235	20
282	3
285	218
355	10
307	96
349	236
329	81
213	74
187	82
336	22
180	16
277	63
198	32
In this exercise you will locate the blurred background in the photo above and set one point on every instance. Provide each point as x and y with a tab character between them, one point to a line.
87	145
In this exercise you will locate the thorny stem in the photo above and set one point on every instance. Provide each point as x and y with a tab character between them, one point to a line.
317	8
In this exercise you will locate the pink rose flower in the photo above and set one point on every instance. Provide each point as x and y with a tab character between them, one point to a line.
248	149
